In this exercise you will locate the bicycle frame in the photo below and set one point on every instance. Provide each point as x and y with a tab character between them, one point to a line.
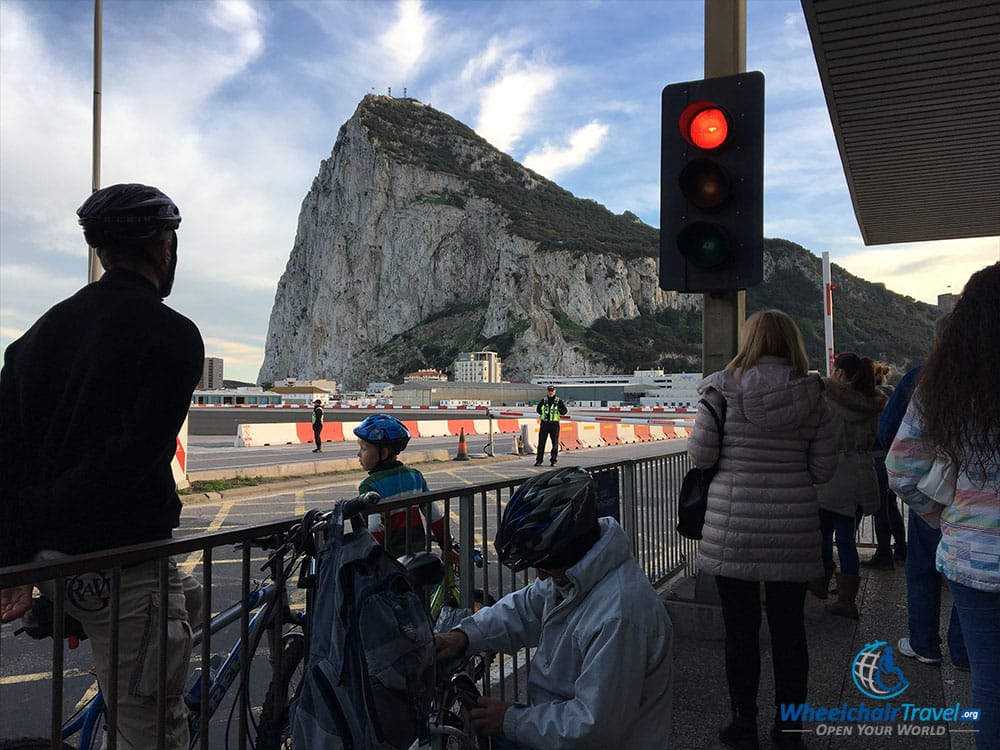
265	600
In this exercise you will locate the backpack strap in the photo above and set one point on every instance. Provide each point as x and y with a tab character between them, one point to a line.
720	421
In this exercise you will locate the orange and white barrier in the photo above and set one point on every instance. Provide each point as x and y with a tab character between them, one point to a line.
178	464
293	433
574	432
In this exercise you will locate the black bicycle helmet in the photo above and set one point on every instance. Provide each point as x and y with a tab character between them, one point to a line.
127	212
550	521
384	430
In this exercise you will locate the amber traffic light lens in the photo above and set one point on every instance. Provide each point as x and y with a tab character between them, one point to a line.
708	129
704	183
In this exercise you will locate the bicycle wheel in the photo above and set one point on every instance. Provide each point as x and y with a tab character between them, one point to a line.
274	730
455	733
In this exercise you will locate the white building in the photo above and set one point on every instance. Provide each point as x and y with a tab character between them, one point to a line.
411	377
243	396
643	387
211	374
478	367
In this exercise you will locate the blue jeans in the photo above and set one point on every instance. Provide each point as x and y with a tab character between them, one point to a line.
923	596
831	523
979	612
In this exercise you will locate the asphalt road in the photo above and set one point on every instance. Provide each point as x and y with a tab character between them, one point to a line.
25	681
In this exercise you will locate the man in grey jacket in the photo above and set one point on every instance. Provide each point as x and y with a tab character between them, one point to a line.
602	674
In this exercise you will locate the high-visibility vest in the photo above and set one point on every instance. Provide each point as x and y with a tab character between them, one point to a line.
550	410
317	416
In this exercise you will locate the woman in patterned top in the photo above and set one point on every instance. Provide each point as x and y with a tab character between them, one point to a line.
955	414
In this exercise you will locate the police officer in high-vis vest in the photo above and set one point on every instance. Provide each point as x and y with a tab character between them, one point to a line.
549	410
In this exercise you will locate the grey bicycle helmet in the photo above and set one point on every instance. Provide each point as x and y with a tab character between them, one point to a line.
384	430
550	521
127	212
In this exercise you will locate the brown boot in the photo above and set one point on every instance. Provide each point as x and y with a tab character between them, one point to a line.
847	591
819	587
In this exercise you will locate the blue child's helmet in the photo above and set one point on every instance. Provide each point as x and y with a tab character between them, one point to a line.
384	430
550	521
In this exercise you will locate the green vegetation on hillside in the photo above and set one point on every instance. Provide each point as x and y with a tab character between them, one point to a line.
538	209
868	319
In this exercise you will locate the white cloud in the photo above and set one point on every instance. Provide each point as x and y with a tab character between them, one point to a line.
512	89
554	160
923	270
406	40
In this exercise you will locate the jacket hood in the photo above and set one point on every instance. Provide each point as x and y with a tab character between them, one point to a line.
609	551
855	405
767	394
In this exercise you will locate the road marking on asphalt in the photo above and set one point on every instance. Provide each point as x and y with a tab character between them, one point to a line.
193	560
18	679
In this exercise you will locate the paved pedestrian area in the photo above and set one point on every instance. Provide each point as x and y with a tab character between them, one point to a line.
701	702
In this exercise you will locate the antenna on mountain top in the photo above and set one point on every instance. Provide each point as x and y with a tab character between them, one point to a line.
404	92
390	91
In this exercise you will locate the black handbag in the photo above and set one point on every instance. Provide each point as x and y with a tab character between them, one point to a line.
693	498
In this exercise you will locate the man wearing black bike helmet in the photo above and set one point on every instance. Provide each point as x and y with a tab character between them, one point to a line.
602	672
91	400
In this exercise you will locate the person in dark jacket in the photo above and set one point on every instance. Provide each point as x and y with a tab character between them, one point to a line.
317	425
887	521
92	398
856	405
761	523
549	409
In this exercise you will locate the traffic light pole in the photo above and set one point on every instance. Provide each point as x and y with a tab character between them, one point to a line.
723	313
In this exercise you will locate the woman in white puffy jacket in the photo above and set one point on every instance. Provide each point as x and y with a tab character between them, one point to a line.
762	521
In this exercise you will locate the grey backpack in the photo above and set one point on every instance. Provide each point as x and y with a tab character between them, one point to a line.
369	680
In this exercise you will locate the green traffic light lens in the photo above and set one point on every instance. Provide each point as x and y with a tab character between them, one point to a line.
704	183
705	245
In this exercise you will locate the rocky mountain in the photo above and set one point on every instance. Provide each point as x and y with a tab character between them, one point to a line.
419	240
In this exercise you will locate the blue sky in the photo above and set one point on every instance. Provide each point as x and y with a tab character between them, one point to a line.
230	106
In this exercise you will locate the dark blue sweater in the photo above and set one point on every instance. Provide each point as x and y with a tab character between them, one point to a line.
91	400
892	415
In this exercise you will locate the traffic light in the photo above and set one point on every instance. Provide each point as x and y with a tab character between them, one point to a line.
712	184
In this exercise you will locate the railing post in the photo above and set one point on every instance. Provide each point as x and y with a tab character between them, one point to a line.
629	503
467	541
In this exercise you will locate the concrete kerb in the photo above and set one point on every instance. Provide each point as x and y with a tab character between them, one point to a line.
299	475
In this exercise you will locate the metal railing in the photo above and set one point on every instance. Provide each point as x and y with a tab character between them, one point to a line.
641	492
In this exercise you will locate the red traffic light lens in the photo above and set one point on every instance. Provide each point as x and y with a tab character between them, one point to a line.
704	183
705	125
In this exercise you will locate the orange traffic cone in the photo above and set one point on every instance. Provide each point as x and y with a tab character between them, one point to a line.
463	453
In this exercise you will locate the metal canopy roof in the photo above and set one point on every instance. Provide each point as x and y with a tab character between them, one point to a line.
913	90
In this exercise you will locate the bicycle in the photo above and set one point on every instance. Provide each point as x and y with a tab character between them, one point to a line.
447	593
269	611
456	692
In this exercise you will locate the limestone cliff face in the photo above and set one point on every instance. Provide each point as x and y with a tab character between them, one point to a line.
385	242
419	240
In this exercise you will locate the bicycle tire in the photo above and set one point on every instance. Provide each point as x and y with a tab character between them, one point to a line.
31	743
467	740
274	730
